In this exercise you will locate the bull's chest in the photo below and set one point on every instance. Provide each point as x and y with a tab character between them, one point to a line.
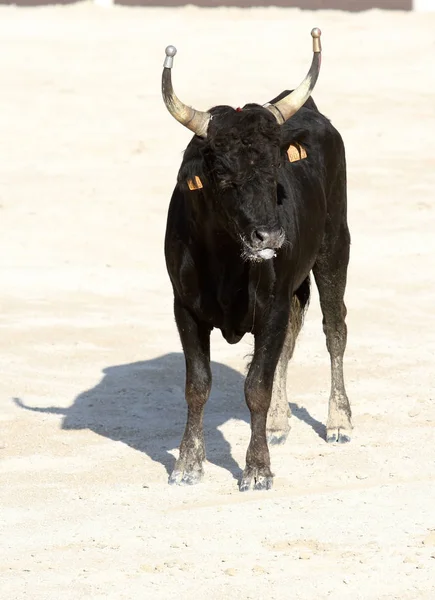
227	294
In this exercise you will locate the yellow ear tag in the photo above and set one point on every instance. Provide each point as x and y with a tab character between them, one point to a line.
194	184
293	153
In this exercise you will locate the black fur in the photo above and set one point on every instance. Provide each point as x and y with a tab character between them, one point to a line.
213	238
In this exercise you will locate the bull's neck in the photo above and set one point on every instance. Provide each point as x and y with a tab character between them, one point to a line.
231	282
227	278
220	247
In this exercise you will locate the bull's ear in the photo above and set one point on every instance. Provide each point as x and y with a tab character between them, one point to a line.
190	176
195	183
295	152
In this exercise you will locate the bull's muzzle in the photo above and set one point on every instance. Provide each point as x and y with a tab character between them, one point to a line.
263	243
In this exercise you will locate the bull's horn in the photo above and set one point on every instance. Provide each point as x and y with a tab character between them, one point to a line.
290	104
194	120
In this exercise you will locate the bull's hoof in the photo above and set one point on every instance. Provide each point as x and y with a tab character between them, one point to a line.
185	477
256	479
338	436
277	437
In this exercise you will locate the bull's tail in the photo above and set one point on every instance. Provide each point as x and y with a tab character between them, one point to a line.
51	410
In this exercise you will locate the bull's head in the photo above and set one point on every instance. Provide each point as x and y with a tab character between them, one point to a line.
237	155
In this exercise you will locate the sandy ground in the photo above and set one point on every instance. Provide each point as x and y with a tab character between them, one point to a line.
91	387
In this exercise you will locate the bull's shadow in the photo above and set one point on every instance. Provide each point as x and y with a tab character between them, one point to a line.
142	404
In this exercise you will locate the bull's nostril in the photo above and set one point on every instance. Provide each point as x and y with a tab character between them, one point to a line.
260	235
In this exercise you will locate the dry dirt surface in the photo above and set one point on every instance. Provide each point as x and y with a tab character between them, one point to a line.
92	375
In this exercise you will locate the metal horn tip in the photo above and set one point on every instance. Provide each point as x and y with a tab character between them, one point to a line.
316	33
171	51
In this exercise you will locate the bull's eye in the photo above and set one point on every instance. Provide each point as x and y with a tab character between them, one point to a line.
226	184
219	144
280	194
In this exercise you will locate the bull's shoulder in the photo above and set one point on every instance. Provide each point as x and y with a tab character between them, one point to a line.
314	132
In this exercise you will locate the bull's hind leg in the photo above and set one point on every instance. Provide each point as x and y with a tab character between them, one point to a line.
330	272
278	425
195	338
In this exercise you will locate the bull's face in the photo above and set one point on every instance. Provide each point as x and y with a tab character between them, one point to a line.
239	158
238	167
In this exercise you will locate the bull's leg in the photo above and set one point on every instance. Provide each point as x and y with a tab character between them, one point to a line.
195	338
330	272
258	391
278	425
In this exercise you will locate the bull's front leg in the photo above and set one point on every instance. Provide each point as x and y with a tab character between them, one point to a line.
195	339
269	340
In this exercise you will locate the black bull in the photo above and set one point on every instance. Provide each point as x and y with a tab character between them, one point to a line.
246	226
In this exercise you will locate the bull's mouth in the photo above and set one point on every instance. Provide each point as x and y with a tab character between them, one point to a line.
265	254
258	254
